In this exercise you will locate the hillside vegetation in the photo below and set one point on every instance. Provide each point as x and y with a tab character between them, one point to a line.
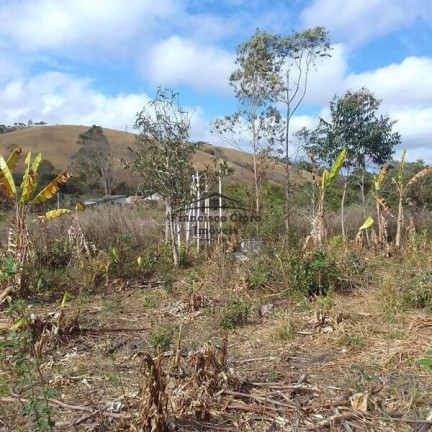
58	143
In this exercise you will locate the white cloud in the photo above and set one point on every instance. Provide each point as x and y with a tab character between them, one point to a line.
415	126
327	78
106	24
177	61
60	98
406	84
406	92
361	21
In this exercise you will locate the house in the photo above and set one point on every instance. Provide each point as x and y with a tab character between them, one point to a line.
107	199
154	197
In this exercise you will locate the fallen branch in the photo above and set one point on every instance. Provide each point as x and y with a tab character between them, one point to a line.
260	399
254	360
412	421
256	409
337	418
71	407
330	404
284	386
112	330
5	293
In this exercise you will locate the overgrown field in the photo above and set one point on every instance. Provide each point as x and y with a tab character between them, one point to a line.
119	340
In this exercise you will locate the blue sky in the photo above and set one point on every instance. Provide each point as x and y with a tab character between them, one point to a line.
100	61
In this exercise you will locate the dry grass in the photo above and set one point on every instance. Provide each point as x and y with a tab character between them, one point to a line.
105	226
341	346
58	144
341	362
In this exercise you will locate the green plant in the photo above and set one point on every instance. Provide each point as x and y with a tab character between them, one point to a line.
322	272
418	292
161	336
365	376
18	358
402	188
234	315
18	239
286	332
427	361
8	274
319	231
261	272
273	375
353	341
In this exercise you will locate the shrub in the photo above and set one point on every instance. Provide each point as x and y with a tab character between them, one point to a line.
314	274
234	315
161	336
418	293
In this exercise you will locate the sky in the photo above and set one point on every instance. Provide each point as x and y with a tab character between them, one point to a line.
88	62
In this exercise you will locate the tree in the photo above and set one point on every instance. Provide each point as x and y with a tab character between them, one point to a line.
298	54
355	126
263	129
275	69
256	121
163	156
96	158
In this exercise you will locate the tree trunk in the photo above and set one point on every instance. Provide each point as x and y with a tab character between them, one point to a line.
343	207
362	193
287	165
107	187
172	235
363	198
382	225
321	228
255	163
400	220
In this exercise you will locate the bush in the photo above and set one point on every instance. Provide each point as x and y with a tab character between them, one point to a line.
313	275
418	293
234	315
262	272
161	336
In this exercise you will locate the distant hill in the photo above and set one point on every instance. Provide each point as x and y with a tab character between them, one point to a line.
58	143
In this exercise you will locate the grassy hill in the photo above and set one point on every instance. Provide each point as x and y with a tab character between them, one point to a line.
58	144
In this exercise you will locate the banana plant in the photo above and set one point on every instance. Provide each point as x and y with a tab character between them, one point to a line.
381	205
23	200
402	189
368	223
327	179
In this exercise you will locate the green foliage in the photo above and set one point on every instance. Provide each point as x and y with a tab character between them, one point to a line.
163	156
8	270
95	160
55	254
336	167
18	360
262	271
366	376
272	212
286	332
312	275
427	361
356	127
234	315
163	153
161	336
418	292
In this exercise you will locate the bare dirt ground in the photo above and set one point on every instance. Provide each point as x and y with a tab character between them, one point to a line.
336	363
